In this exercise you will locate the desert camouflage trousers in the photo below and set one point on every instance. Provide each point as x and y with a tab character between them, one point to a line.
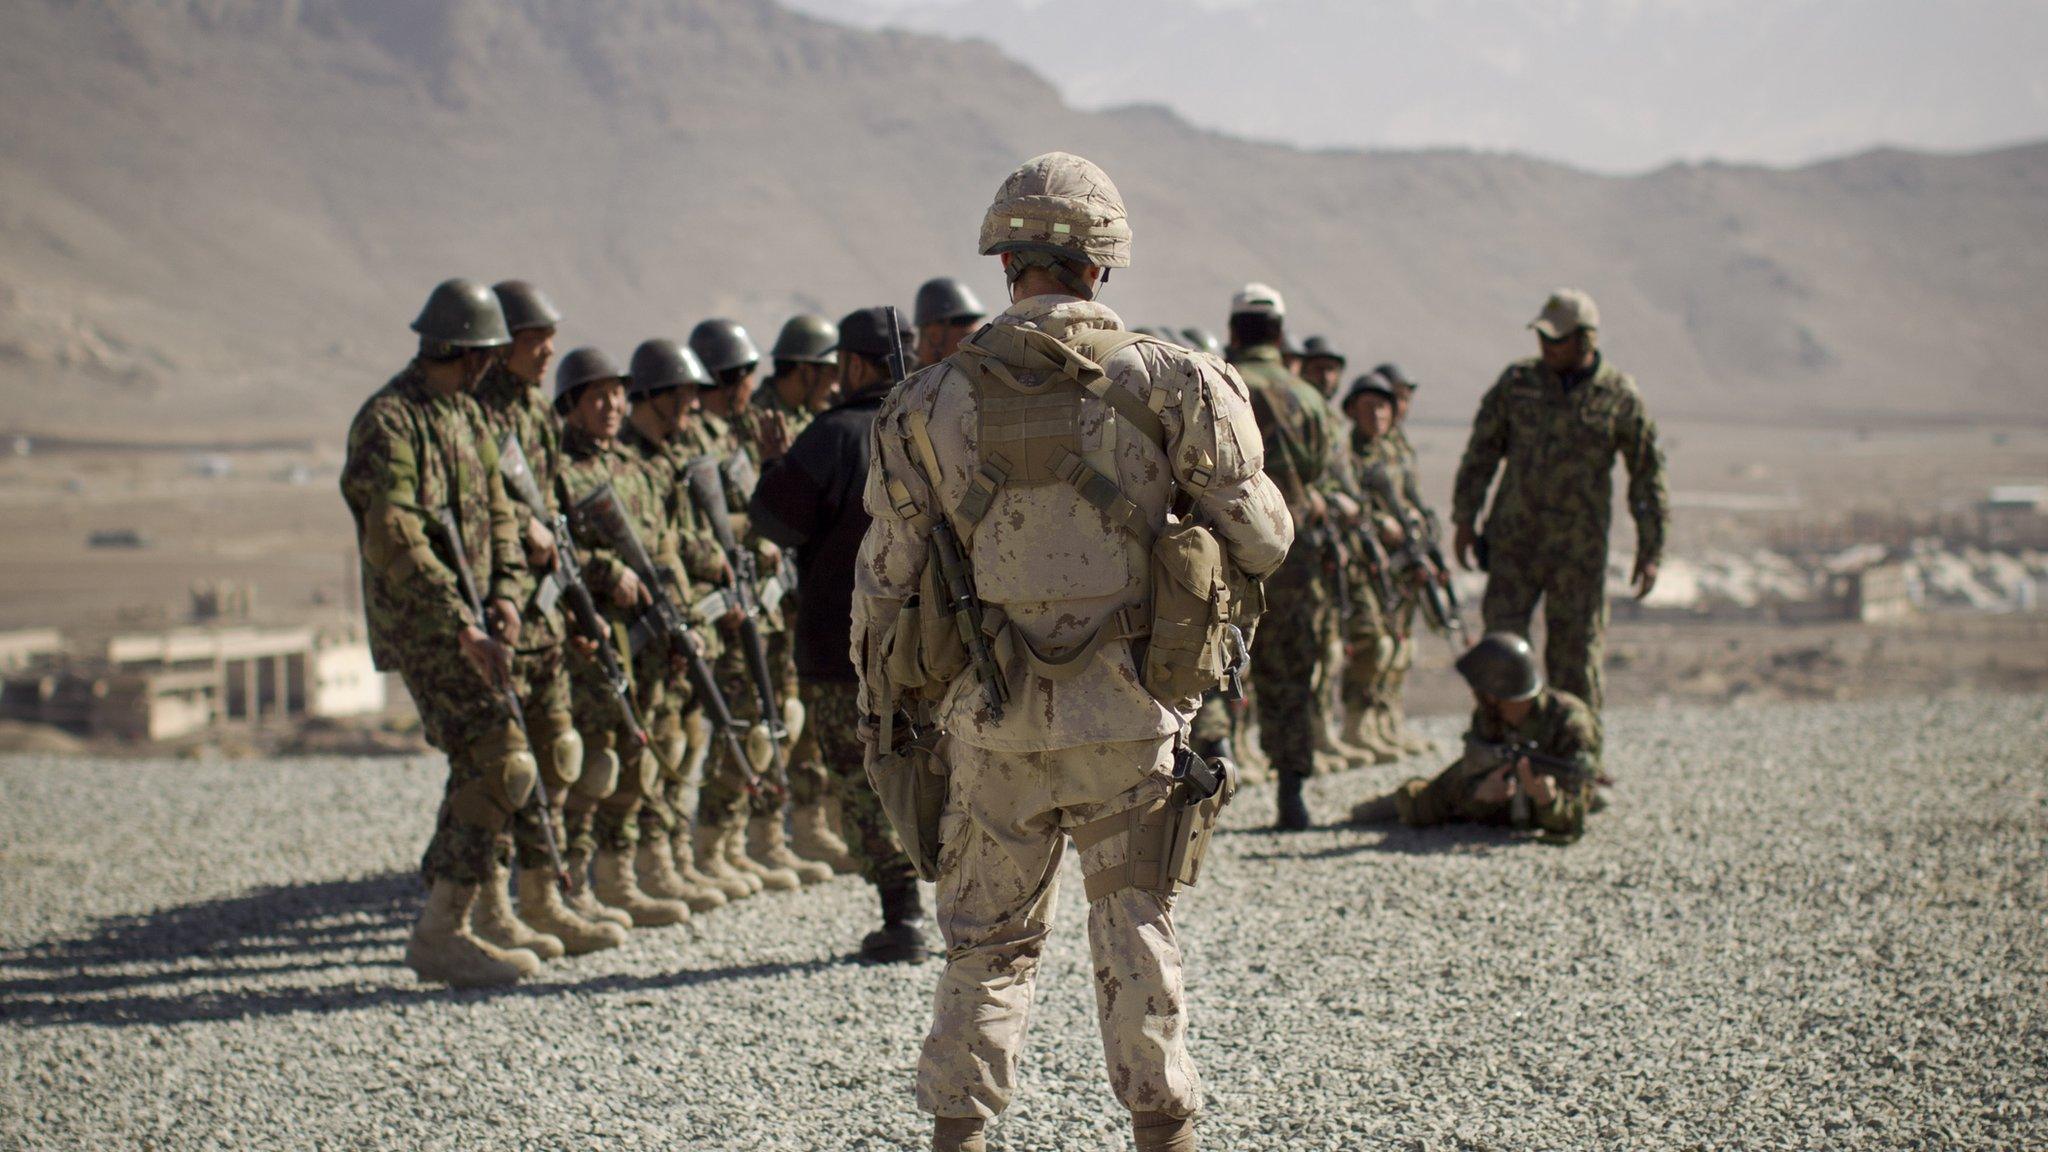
1573	589
465	718
1287	652
1004	837
833	715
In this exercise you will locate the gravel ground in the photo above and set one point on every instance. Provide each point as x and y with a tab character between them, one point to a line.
1814	926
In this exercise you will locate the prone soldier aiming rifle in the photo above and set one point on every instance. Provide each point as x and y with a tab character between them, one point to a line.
665	617
566	582
509	695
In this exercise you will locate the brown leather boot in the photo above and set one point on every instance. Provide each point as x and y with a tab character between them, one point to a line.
614	882
959	1134
541	907
443	949
1158	1132
768	843
493	920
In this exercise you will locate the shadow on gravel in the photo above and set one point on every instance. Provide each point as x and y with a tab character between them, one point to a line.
243	953
1448	839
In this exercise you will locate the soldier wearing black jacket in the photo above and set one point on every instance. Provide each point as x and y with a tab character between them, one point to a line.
809	501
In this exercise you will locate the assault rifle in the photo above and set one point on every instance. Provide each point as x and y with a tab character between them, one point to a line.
1424	564
665	617
567	580
707	492
451	530
1491	756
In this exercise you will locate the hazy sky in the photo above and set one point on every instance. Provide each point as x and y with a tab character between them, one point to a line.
1614	85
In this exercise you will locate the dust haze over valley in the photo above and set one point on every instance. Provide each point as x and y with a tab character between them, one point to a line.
219	217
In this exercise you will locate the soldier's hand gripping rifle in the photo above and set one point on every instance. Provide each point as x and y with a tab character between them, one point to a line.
1424	565
1489	757
568	578
665	617
707	492
539	800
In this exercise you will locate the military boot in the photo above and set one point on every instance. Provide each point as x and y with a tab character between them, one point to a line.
443	949
1293	810
811	837
494	921
699	892
541	906
1381	720
613	881
1341	751
709	845
901	939
768	843
772	879
959	1134
1410	741
1358	734
1158	1132
1378	810
654	866
579	898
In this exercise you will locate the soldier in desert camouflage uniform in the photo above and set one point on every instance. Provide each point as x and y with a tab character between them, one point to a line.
417	447
1053	500
1515	710
516	410
1289	649
1558	421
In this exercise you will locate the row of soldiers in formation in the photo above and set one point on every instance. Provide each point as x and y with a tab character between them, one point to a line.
1041	545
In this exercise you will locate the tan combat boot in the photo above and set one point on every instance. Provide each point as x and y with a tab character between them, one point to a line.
1344	752
768	843
541	906
444	950
772	879
700	892
959	1134
654	866
1413	743
709	843
1358	733
582	902
811	837
494	922
613	882
1158	1132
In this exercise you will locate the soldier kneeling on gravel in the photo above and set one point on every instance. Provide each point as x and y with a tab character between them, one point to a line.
1531	754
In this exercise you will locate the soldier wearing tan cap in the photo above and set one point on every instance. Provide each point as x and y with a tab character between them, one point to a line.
1557	422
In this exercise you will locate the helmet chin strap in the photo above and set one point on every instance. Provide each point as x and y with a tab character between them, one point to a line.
1063	271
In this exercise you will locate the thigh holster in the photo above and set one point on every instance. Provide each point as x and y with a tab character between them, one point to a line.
1168	839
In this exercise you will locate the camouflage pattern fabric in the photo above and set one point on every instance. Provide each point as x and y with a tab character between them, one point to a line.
1285	655
411	451
519	409
1559	724
543	685
1003	837
833	709
1547	528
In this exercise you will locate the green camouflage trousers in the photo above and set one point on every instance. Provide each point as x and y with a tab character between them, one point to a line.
1573	589
609	818
1286	651
834	716
465	718
1003	837
543	684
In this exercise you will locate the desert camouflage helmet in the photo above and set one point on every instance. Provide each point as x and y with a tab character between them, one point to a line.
1502	666
1202	340
944	300
1062	205
661	365
578	370
526	306
807	339
723	345
462	313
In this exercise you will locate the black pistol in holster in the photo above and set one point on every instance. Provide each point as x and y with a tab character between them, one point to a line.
567	584
537	798
1168	837
664	616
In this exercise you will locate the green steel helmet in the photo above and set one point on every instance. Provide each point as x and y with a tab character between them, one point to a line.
1061	205
945	300
1391	372
462	314
526	306
1502	666
723	345
578	370
1202	340
662	365
1370	384
807	339
1320	348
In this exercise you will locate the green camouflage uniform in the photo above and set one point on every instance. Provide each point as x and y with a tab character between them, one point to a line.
520	410
1547	529
411	452
1377	632
807	770
1560	724
1288	647
597	818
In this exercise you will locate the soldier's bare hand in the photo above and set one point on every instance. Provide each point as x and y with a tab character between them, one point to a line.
504	617
492	660
774	436
1644	578
1347	509
1540	788
1497	787
629	592
584	647
540	547
1462	541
